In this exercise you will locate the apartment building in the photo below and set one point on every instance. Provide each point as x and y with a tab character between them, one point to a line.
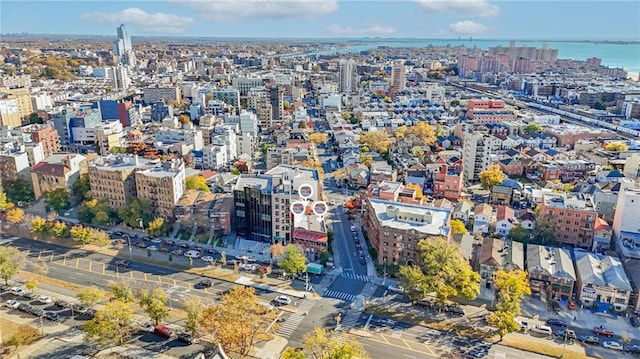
551	271
60	170
15	81
396	228
448	181
188	135
209	212
214	156
398	75
280	156
476	150
626	221
259	100
12	163
68	120
163	186
226	135
168	94
252	197
45	135
574	215
9	111
229	96
113	178
601	279
23	96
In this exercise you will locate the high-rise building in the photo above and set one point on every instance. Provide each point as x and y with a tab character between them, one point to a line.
113	178
476	150
120	79
398	75
9	111
252	197
347	74
167	94
626	222
277	103
23	96
122	47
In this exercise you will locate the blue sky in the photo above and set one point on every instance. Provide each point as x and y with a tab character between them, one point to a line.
515	19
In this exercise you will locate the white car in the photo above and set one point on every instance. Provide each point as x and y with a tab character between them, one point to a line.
192	254
282	300
156	240
610	344
13	304
45	299
207	259
395	288
147	327
16	291
152	248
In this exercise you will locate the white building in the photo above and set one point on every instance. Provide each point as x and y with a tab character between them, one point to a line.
214	156
398	75
189	136
120	79
248	122
435	93
41	101
226	136
347	76
246	143
626	222
476	150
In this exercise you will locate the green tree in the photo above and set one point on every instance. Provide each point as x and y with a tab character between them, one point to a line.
414	282
81	234
11	262
82	187
503	321
111	325
197	183
445	271
154	304
532	128
491	176
265	148
193	307
122	291
286	105
138	208
91	296
157	227
58	200
35	119
18	190
366	160
293	260
546	229
100	218
457	226
518	234
237	320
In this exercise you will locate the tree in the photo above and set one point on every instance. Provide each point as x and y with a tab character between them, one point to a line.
25	335
157	227
40	225
154	304
366	160
111	325
293	353
40	268
457	226
58	200
422	134
518	234
35	119
325	344
184	119
237	320
193	307
135	210
491	176
241	166
31	284
276	250
293	260
546	229
413	281
615	147
504	321
98	212
346	115
91	296
417	151
100	238
60	230
510	288
532	128
265	148
444	271
18	190
317	138
121	291
286	104
82	187
401	132
5	204
197	183
15	215
378	141
81	234
340	174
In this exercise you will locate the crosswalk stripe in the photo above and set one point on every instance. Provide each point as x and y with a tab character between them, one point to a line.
339	295
291	323
351	275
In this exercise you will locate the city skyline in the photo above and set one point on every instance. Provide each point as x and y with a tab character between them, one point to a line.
328	19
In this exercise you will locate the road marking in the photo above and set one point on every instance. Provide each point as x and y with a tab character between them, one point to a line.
368	321
409	356
400	346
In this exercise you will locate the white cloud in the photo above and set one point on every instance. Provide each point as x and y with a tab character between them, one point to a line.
142	20
467	28
374	29
473	8
229	10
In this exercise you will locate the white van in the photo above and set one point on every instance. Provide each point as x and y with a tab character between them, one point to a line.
542	329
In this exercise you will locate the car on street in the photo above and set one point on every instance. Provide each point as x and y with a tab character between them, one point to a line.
635	349
13	304
45	299
610	344
281	300
567	334
192	254
208	259
51	316
141	245
156	240
122	264
362	261
558	322
61	304
152	248
603	331
352	228
635	322
395	288
183	245
185	338
206	283
589	339
169	242
16	291
177	252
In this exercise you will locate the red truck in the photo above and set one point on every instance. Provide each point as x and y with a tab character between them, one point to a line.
603	331
163	331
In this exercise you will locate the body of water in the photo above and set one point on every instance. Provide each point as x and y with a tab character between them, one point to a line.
613	54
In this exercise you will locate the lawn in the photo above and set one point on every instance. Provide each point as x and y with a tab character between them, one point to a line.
541	348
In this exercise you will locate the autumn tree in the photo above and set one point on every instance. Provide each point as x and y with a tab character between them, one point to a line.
40	225
193	307
401	132
366	160
121	291
60	230
81	234
503	321
511	287
418	152
458	227
413	281
158	227
11	262
340	174
317	138
293	260
241	166
197	183
100	238
491	176
25	335
154	304
444	271
421	134
5	204
111	325
533	128
276	250
184	119
378	141
616	147
15	215
91	296
39	267
237	320
326	344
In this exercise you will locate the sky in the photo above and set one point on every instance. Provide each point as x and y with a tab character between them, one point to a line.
481	19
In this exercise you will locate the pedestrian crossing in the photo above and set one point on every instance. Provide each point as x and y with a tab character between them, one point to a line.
339	295
351	275
351	318
289	326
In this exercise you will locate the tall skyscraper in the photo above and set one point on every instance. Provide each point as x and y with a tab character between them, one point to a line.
347	73
120	79
476	150
122	47
398	75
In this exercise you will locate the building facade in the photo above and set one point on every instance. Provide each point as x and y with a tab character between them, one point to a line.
574	216
163	186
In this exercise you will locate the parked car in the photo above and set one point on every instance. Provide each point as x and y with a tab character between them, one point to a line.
192	254
51	316
122	264
567	334
635	322
37	312
386	323
635	349
62	304
29	296
395	288
156	240
45	299
589	339
610	344
185	338
602	331
78	308
141	245
207	259
169	242
152	248
206	283
282	300
13	304
558	322
25	307
16	291
147	327
163	331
